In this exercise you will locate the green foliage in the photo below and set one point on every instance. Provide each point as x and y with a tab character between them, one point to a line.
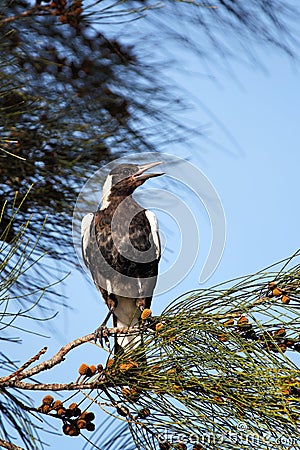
73	95
220	370
17	311
70	98
14	421
220	363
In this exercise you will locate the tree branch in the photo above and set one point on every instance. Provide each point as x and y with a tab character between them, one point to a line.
26	13
25	365
57	386
9	445
13	380
29	12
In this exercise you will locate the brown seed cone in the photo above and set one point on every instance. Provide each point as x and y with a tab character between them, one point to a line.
143	413
122	410
276	292
73	410
109	363
159	326
88	416
76	412
289	342
90	426
99	368
282	346
61	411
57	404
72	405
81	424
70	429
46	408
131	393
285	299
47	400
177	388
242	320
69	412
278	334
83	369
126	392
222	337
146	313
124	367
93	370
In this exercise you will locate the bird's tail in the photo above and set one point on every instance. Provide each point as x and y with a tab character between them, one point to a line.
127	314
128	342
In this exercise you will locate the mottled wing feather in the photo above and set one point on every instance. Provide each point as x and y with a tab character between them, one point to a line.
106	263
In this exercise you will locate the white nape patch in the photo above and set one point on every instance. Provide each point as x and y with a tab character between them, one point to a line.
85	233
154	230
106	192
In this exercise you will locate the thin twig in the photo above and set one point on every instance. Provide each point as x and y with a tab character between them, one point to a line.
25	365
27	13
9	445
40	10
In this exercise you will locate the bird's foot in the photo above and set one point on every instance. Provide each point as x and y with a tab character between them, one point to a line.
102	335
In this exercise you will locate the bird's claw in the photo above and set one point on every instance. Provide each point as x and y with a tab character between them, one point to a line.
102	334
144	324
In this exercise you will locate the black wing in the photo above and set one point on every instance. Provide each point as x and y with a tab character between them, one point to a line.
125	261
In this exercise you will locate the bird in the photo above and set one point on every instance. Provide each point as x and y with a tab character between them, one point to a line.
121	248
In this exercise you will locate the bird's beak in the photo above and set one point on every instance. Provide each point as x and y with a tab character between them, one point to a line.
140	175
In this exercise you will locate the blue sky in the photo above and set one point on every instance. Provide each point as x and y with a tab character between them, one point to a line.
257	181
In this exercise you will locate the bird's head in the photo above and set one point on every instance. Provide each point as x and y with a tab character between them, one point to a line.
125	178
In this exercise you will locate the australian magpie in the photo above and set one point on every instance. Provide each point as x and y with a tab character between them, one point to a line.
121	248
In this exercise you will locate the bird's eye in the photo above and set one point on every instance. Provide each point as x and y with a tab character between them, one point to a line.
126	172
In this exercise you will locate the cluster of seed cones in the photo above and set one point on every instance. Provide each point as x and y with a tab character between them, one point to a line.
275	340
73	419
67	12
271	340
